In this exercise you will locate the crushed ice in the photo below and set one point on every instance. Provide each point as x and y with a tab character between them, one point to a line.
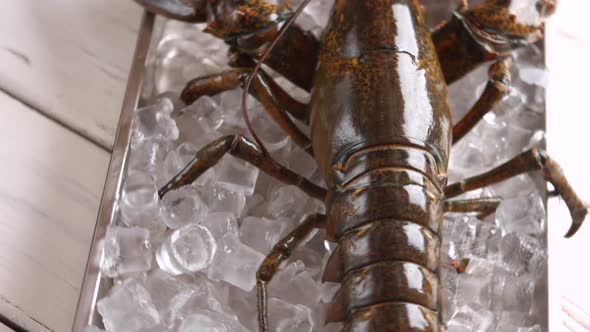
188	262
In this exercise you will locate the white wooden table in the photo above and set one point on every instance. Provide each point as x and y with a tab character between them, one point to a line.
63	68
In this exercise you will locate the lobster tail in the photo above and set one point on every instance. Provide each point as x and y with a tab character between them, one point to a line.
382	131
393	317
386	223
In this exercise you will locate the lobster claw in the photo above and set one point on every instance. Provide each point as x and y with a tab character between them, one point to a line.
505	25
183	10
578	215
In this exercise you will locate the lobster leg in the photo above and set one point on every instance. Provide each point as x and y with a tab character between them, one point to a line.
275	100
279	253
531	160
483	206
496	88
242	148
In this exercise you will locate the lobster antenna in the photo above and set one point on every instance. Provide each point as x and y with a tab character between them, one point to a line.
256	69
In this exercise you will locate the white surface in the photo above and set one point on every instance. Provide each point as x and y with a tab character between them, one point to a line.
3	328
51	185
70	59
568	136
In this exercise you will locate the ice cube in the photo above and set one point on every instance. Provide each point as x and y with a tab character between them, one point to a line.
126	250
231	104
170	167
480	267
460	232
448	277
286	317
194	130
295	285
262	234
187	152
220	224
168	293
537	140
522	253
254	203
128	308
140	203
273	137
148	155
467	237
154	123
182	207
510	292
285	202
93	329
235	263
313	258
518	186
301	162
180	60
534	75
467	319
219	199
204	295
208	110
188	249
157	328
504	140
243	305
236	175
512	321
524	214
210	321
473	290
467	158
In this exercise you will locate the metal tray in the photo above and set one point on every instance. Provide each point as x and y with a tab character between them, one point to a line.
95	285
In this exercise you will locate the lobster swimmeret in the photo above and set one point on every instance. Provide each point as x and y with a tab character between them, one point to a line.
381	132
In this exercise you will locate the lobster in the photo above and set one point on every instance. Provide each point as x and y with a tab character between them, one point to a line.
381	133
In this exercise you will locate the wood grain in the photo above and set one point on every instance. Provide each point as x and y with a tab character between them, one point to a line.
4	328
49	194
69	59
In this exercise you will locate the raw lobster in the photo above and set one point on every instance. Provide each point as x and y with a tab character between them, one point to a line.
381	133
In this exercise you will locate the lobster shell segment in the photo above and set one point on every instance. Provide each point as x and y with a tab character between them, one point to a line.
383	240
391	281
358	206
393	316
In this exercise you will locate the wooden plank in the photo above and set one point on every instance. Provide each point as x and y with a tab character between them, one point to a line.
69	59
52	181
4	328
